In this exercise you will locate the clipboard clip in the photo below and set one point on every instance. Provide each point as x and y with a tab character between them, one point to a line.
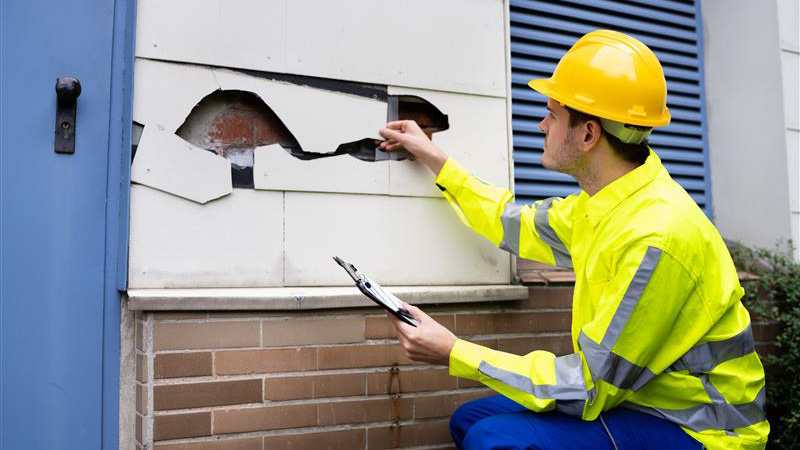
376	293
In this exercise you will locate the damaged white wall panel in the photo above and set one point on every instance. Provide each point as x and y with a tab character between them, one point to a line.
236	241
477	139
166	162
165	93
372	41
276	169
232	33
456	45
394	240
319	119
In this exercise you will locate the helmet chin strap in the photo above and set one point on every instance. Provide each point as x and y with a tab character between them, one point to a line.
627	133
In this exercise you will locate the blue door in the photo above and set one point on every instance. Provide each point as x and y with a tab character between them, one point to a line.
63	221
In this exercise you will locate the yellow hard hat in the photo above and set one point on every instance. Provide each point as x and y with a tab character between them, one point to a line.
612	76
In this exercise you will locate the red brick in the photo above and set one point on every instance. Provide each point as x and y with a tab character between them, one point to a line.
341	357
218	444
302	331
190	335
177	365
269	129
268	418
315	386
412	435
198	395
409	381
176	426
766	332
234	127
548	297
263	361
379	410
141	368
139	336
328	440
379	327
141	399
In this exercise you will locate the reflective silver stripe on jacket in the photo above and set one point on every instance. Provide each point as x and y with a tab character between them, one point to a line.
541	222
512	223
569	380
605	364
704	357
723	416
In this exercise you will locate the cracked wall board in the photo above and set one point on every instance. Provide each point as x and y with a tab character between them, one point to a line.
166	162
378	42
319	119
236	241
165	93
394	240
477	139
234	33
276	169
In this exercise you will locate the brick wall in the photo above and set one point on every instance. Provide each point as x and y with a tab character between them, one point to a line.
333	379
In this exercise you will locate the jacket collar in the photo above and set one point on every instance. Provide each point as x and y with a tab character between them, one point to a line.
605	200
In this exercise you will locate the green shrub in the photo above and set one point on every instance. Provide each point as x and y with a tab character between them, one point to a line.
775	297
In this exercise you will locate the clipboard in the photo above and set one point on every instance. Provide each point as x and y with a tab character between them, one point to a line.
377	294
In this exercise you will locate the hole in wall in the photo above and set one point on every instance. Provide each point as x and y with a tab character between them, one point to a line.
232	123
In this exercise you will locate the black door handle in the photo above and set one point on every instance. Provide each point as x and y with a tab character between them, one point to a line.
67	91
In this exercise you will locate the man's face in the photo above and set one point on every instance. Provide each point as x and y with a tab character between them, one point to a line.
561	151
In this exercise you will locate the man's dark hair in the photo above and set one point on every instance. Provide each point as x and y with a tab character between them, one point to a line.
635	153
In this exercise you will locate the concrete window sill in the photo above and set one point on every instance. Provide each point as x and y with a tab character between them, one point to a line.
303	298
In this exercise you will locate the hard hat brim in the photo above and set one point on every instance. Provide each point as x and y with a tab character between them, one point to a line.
547	87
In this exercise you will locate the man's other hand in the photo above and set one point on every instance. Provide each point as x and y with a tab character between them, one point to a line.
429	342
406	134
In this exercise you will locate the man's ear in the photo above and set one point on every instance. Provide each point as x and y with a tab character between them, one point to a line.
592	132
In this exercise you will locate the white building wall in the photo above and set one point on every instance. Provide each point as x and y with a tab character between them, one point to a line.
387	217
789	32
749	98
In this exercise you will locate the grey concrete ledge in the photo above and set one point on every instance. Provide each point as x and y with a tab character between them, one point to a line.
302	298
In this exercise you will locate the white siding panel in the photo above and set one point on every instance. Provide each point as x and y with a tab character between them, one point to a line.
236	241
276	169
165	93
796	235
793	158
789	24
477	139
234	33
394	240
452	45
790	64
166	162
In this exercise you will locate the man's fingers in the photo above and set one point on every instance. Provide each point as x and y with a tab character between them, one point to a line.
390	134
397	124
393	146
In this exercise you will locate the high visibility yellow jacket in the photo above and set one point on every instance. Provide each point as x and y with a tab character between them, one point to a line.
657	322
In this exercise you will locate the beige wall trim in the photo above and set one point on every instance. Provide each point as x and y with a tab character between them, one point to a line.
300	298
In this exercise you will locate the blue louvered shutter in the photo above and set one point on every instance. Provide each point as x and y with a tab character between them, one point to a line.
542	31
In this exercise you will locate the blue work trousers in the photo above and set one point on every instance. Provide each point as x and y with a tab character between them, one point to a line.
498	423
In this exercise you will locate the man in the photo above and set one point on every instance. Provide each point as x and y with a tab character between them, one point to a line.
663	352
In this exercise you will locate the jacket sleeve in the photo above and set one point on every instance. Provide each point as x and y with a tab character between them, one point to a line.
539	232
636	333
